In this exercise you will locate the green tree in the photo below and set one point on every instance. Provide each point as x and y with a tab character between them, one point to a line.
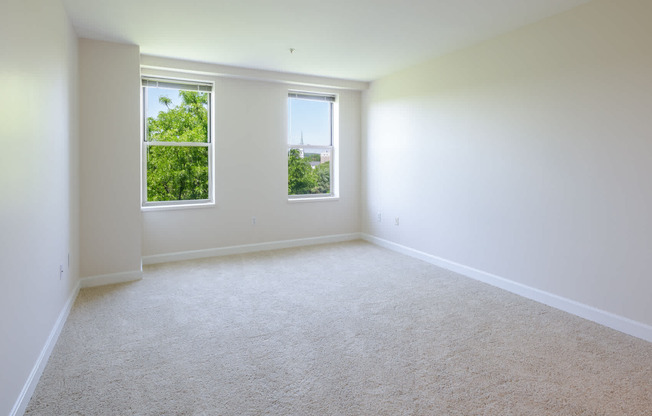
301	179
322	174
178	172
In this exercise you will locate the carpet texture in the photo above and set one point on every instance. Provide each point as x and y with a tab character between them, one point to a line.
340	329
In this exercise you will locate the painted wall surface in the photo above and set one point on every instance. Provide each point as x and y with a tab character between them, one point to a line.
110	158
527	156
38	169
251	176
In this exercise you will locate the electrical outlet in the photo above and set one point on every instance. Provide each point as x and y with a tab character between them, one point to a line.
253	220
396	221
379	217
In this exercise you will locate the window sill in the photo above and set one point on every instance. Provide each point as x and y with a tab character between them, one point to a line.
313	199
175	207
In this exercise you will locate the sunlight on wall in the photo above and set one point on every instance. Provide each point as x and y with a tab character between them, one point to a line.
18	97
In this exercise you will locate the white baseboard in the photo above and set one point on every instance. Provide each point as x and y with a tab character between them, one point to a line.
110	279
608	319
248	248
35	375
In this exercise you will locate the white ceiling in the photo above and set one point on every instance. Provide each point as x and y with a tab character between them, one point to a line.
350	39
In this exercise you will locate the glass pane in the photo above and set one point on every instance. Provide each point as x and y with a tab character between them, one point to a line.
309	171
177	173
309	122
176	115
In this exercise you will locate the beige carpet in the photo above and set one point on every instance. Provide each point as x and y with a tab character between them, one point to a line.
342	329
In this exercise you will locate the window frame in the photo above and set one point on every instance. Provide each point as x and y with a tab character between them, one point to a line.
179	83
333	99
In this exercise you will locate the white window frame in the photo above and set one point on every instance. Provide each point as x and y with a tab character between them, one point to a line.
181	84
334	148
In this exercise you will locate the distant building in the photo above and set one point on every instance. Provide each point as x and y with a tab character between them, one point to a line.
325	157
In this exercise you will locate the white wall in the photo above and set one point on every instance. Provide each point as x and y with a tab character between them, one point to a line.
251	173
38	171
527	157
110	158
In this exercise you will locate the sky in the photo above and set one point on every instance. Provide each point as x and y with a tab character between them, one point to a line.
153	105
311	117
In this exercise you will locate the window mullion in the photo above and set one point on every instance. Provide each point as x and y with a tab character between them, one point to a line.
309	146
179	144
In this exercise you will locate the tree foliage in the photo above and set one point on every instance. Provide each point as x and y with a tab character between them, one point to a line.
178	172
303	179
323	174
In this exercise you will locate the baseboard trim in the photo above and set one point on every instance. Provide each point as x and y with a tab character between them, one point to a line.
35	375
608	319
248	248
110	279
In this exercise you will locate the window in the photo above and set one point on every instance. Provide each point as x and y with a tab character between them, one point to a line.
311	151
177	142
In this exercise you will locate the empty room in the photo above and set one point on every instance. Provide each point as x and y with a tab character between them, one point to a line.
372	207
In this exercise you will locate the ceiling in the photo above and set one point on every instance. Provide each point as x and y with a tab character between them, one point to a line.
350	39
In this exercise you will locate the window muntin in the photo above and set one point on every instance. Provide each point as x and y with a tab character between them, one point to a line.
177	142
310	145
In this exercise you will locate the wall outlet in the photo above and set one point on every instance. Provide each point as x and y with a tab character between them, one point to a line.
253	220
379	217
396	221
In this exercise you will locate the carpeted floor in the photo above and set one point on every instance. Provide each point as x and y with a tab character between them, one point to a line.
341	329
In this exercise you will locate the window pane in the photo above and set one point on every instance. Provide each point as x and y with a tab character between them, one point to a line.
309	122
309	171
177	173
176	115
